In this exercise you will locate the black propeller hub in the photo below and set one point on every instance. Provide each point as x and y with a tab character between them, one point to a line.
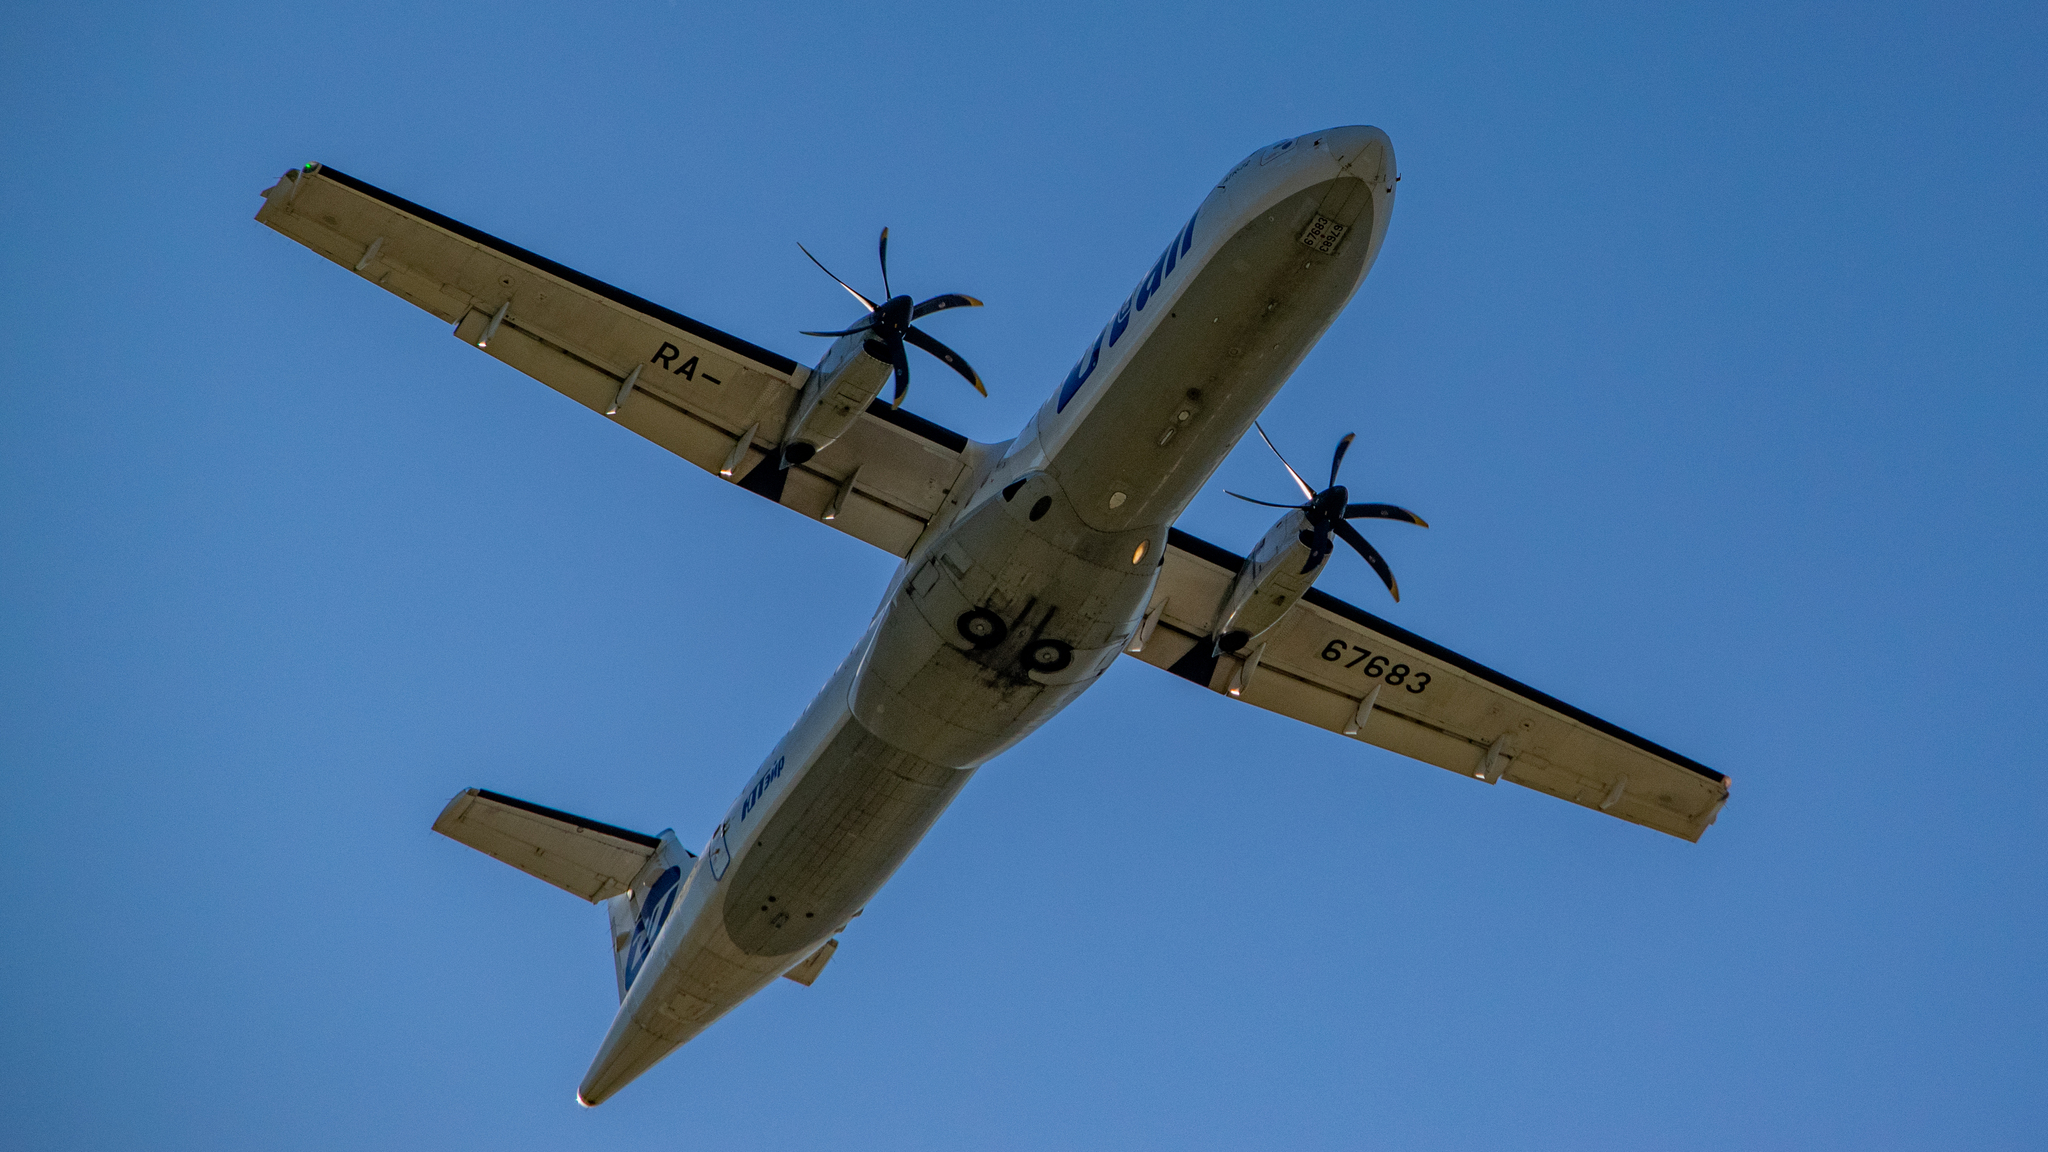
1329	512
1328	506
891	320
1324	511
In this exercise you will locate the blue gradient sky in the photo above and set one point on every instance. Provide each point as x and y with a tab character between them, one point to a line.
1709	340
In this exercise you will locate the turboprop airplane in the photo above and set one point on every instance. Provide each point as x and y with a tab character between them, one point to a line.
1028	566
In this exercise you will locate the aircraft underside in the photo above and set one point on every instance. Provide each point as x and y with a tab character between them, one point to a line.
1028	566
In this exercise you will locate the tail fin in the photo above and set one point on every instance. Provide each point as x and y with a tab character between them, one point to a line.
638	914
636	876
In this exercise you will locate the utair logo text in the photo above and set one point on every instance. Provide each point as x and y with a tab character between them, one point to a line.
1147	288
760	788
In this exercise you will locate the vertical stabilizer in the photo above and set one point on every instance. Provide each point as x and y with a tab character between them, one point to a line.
639	912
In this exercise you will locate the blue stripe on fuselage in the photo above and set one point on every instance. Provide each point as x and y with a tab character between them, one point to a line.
1135	302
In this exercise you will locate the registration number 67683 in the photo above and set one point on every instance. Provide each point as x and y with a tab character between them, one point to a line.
1375	667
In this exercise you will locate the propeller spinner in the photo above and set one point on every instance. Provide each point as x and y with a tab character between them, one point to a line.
889	326
1329	514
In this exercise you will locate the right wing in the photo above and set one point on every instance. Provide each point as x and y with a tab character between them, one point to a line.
1324	660
697	390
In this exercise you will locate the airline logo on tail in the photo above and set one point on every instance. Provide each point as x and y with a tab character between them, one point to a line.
661	898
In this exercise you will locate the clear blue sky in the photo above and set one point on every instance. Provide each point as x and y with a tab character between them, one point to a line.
1710	341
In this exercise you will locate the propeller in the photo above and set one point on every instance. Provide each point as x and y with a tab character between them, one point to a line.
888	325
1329	514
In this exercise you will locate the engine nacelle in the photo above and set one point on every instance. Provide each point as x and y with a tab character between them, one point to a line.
1271	580
840	388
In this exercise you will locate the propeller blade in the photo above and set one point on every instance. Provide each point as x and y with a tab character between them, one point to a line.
1267	503
1318	552
1305	489
950	358
941	303
1383	512
885	265
865	302
1379	564
1337	461
860	327
902	376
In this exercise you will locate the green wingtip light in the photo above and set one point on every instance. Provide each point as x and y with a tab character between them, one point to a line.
309	167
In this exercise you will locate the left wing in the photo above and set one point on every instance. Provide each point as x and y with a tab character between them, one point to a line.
710	397
1339	667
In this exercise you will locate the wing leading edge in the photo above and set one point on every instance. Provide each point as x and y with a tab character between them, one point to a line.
1339	667
712	398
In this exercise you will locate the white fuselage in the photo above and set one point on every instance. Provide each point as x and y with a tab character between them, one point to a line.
1024	591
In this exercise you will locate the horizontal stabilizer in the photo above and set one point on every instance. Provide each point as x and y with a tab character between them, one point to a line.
806	973
595	861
